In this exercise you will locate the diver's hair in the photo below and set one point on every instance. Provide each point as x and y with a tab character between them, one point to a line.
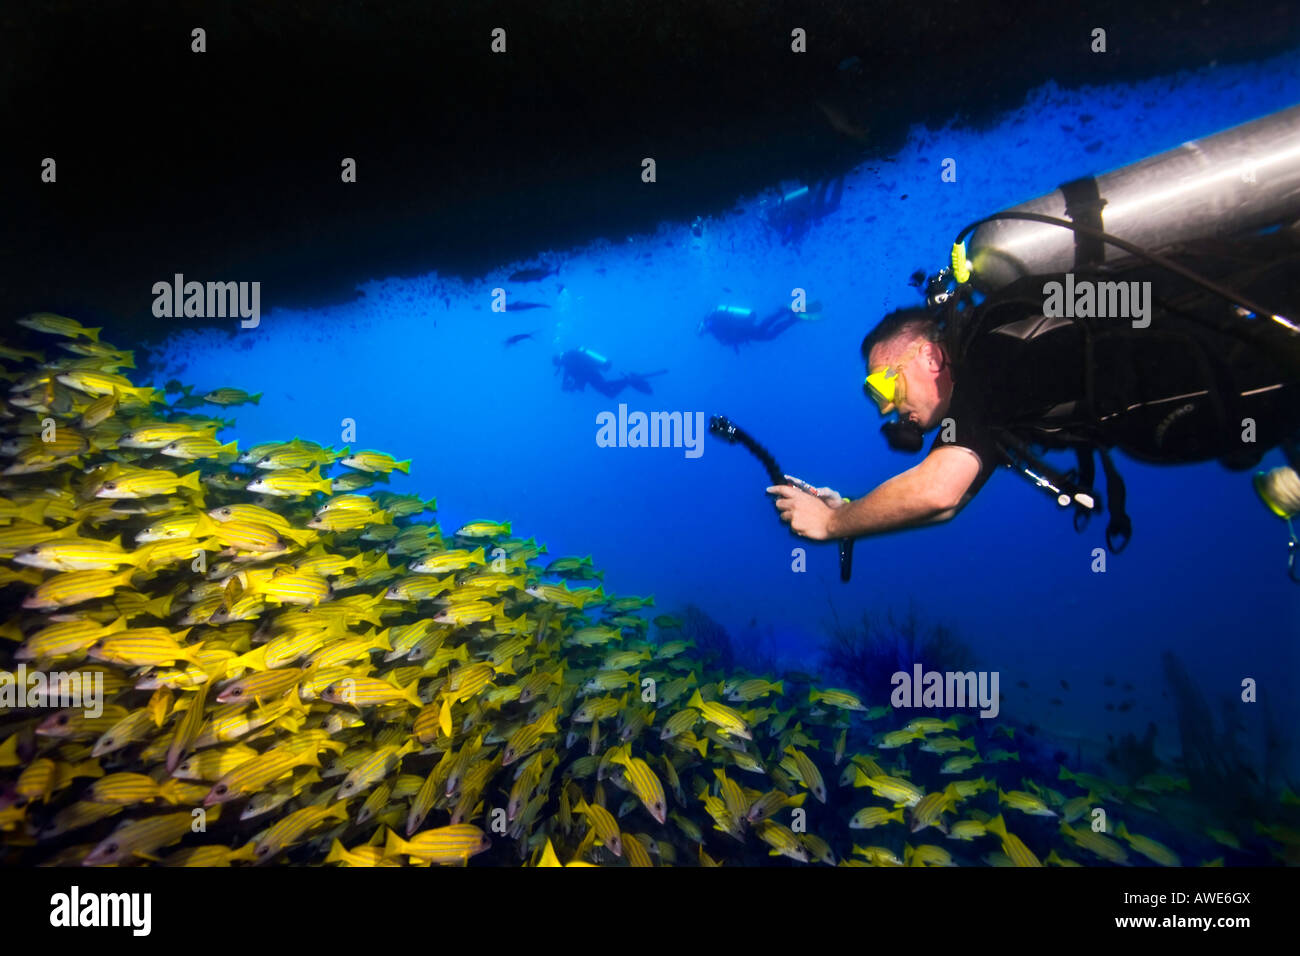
906	324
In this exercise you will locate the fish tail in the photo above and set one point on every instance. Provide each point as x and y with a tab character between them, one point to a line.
403	466
393	844
34	512
255	399
336	853
93	334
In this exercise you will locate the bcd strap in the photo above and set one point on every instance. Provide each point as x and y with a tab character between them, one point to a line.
1087	475
1083	205
1119	529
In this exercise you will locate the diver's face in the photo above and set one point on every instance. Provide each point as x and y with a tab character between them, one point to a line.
920	393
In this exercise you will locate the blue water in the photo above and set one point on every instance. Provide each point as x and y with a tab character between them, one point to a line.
419	364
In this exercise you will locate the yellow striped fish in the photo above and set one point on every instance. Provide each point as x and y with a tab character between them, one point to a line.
446	845
138	839
645	783
603	825
721	715
257	773
1012	845
292	829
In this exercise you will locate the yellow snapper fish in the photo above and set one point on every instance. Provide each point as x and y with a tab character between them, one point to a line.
378	461
448	845
57	325
290	483
1153	850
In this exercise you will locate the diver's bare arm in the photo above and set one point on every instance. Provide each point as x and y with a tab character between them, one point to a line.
935	490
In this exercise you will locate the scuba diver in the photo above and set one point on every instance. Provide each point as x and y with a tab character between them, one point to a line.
583	367
794	213
1210	371
734	326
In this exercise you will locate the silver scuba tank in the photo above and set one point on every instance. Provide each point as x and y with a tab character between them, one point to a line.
599	360
1242	179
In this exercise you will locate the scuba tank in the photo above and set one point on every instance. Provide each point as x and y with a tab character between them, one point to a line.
1240	180
739	312
594	357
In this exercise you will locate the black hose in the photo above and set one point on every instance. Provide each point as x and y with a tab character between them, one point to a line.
729	431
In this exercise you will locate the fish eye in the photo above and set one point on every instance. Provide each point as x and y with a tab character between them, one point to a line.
219	788
237	692
107	741
111	848
110	485
61	719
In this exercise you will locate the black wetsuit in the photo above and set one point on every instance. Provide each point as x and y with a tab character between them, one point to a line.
1173	392
735	329
792	218
580	369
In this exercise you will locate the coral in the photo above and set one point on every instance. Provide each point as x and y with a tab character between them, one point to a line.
1135	758
1216	763
866	655
710	638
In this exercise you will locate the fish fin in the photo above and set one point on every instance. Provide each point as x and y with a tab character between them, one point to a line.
444	717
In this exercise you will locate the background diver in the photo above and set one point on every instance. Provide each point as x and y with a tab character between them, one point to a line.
733	325
582	367
1001	378
794	213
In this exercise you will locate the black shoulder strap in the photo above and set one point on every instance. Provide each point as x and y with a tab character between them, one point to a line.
1119	529
1083	205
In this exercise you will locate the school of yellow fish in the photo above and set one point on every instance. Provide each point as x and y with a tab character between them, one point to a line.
295	671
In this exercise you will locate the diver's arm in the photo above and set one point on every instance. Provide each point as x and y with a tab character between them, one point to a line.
933	491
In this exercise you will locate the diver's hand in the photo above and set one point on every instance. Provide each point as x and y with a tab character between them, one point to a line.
807	515
828	495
